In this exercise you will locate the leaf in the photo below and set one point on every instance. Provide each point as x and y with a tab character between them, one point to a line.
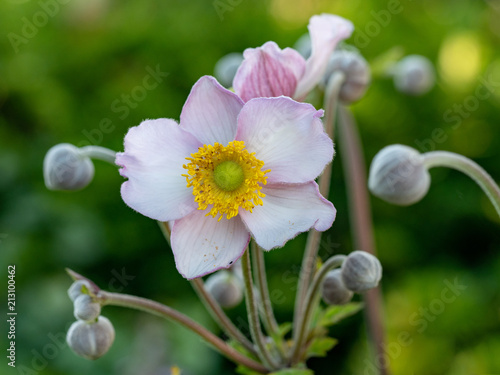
246	371
285	328
320	347
240	348
334	314
293	371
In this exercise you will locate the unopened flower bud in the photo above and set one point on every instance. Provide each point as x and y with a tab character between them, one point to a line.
333	290
398	175
225	69
85	308
226	288
414	75
91	340
65	168
361	271
357	74
75	289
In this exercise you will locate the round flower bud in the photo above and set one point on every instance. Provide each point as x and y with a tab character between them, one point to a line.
91	340
361	271
414	75
64	168
357	74
398	175
226	67
75	289
226	288
85	308
333	289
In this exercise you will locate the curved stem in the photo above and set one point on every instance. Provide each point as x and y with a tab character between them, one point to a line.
220	316
361	222
268	317
470	168
260	272
155	308
211	304
253	314
100	153
314	237
310	304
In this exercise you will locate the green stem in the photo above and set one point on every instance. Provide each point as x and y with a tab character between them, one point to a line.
268	317
100	153
314	237
310	304
361	222
253	314
211	304
158	309
220	316
470	168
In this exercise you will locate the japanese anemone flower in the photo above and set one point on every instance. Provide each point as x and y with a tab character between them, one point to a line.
268	71
230	171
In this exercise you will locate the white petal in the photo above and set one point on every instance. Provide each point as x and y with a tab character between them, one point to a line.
154	154
287	136
326	31
288	210
202	244
210	112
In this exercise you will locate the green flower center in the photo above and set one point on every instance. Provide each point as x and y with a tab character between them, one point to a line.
228	175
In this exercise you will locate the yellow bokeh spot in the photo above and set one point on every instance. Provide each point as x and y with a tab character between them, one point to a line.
460	59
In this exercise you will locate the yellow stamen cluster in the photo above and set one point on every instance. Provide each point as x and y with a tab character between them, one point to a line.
226	198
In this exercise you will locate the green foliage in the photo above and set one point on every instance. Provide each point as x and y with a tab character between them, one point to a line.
68	79
320	346
334	314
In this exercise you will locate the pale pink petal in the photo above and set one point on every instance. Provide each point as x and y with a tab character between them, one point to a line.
202	244
268	71
154	154
326	31
287	136
210	112
288	210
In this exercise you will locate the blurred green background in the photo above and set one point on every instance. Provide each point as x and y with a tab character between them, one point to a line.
60	78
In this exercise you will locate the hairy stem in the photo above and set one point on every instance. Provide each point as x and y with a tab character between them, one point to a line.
253	314
158	309
220	316
310	304
212	306
98	152
361	222
268	317
470	168
314	237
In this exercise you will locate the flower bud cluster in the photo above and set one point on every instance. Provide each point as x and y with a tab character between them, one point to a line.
360	272
91	335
